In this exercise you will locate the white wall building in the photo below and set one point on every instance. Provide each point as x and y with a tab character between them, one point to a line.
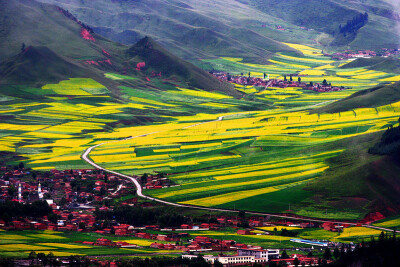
260	253
228	260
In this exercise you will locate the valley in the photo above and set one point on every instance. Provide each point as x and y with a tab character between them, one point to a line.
194	128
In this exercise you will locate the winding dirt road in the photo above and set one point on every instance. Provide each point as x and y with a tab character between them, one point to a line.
85	156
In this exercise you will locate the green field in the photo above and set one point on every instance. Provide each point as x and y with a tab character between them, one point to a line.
268	146
21	243
18	244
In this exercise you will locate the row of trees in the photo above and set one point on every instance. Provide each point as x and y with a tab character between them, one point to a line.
139	216
389	143
352	26
382	252
13	209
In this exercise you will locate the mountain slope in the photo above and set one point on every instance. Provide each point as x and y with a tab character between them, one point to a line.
214	28
52	29
61	47
377	33
158	59
40	65
389	64
357	178
370	98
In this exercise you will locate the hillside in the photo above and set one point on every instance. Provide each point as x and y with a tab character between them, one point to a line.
179	26
38	66
360	179
376	33
389	64
161	61
61	47
308	13
370	98
191	30
53	29
389	143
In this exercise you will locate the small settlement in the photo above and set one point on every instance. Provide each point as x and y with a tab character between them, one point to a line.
78	200
291	80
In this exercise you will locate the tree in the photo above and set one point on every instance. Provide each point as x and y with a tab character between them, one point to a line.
23	47
25	195
327	254
284	78
52	217
21	165
105	178
34	175
218	264
242	214
336	253
291	77
32	255
143	179
299	79
11	190
63	201
284	255
296	262
102	191
82	225
324	82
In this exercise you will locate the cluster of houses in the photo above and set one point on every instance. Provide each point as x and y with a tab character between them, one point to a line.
156	182
25	186
351	54
278	83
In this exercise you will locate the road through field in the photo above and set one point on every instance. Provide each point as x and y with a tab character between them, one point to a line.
85	157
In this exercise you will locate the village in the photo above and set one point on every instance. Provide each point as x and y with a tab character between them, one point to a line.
354	54
78	200
288	81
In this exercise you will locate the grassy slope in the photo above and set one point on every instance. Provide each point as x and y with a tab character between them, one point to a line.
66	51
376	34
52	29
359	180
160	60
40	65
375	97
390	65
308	13
192	30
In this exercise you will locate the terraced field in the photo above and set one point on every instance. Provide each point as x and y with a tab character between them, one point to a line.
237	162
19	244
260	156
